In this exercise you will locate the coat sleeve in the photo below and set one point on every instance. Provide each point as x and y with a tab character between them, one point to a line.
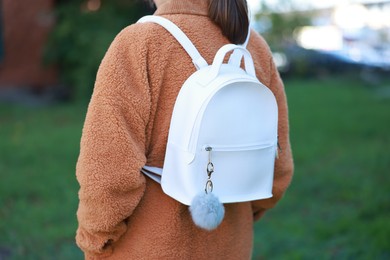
284	166
112	149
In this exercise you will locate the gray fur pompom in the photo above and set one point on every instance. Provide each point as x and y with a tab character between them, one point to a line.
206	211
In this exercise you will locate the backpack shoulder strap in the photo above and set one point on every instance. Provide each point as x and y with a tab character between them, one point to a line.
236	57
197	59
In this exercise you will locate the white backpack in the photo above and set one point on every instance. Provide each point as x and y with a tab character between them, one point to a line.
222	140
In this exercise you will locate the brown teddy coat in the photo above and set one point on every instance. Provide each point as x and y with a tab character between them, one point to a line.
124	215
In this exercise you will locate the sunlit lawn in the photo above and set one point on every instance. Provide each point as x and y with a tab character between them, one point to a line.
338	206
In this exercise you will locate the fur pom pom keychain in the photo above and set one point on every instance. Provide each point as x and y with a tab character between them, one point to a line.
207	211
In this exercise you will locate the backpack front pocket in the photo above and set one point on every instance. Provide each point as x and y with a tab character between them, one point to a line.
239	172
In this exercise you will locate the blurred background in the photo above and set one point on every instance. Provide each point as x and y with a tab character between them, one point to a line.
334	58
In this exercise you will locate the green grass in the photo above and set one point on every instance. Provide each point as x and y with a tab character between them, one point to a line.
338	205
38	190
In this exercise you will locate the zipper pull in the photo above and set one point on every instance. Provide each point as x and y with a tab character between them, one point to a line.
278	149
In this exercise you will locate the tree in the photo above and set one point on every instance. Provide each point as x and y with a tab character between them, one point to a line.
278	23
81	36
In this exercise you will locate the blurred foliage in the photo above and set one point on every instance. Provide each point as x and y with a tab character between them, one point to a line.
278	25
81	37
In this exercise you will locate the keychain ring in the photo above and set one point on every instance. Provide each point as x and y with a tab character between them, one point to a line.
209	187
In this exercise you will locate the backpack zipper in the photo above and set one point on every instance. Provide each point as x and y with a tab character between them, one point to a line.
237	148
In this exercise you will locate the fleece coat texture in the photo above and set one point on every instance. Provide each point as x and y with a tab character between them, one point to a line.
123	214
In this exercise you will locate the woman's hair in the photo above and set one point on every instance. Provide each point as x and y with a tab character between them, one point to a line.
150	3
232	17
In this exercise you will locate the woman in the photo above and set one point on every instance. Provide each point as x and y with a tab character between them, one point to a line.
123	214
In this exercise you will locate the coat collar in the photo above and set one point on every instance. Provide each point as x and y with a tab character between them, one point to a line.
194	7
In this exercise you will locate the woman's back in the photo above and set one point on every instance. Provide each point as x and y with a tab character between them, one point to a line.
127	127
